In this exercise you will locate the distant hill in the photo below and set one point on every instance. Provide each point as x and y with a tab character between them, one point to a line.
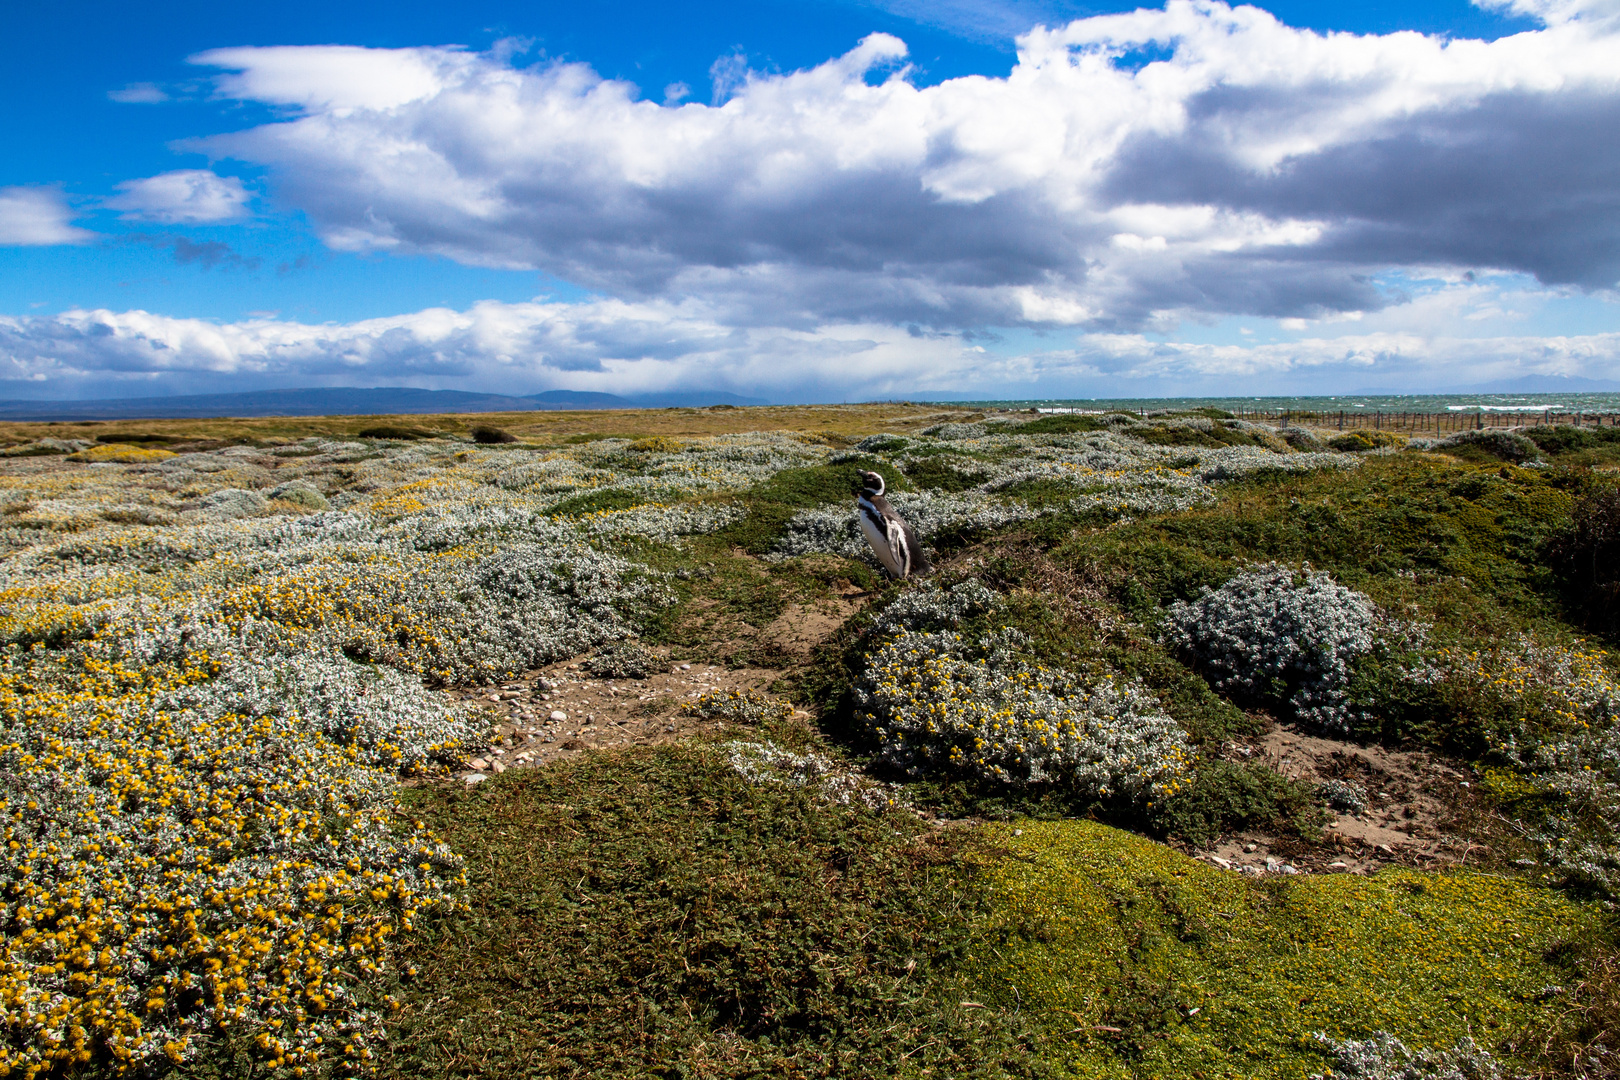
348	401
586	399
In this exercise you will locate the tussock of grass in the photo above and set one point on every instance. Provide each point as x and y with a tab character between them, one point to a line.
1094	929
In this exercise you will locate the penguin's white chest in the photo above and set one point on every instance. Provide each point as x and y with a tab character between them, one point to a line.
878	537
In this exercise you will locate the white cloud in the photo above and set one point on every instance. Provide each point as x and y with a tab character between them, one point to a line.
182	197
599	345
37	216
1252	169
142	93
621	347
336	79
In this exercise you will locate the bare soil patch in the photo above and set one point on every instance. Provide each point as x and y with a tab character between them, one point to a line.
1420	809
595	712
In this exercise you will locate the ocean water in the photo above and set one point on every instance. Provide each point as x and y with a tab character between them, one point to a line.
1386	403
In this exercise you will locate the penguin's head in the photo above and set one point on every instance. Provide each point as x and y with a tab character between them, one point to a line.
871	484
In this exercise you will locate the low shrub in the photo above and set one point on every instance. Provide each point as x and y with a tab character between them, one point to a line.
1302	439
300	493
738	706
1560	440
1360	441
937	704
483	433
122	453
1275	635
1382	1056
202	840
657	444
1343	796
932	606
1223	797
1585	555
622	660
1554	718
1584	1042
1492	443
768	763
398	431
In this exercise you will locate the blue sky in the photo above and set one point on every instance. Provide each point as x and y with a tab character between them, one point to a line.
807	201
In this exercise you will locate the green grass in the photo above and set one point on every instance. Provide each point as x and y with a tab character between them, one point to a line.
1092	928
1461	540
772	503
649	913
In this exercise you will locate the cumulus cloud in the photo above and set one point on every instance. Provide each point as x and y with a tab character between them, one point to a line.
1132	170
182	197
631	347
37	216
516	348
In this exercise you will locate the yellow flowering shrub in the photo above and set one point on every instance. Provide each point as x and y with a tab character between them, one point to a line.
1561	737
177	868
121	453
935	702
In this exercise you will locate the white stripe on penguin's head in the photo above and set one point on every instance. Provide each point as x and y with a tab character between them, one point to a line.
871	483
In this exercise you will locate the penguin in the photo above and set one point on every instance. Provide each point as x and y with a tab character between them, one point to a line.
896	545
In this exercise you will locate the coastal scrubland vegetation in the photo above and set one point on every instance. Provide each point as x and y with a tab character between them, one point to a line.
1211	749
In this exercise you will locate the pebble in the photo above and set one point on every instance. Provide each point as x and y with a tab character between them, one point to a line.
475	778
494	697
478	763
1220	862
558	716
1250	849
499	767
1338	866
1286	869
1272	865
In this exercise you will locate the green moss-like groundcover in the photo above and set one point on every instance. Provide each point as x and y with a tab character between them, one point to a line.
1095	929
651	913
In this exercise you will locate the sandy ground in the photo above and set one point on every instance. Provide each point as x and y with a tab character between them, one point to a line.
558	711
1411	799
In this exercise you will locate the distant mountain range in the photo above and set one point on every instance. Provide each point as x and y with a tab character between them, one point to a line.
352	401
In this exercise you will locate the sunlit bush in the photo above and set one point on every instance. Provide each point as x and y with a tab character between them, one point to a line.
938	704
1275	634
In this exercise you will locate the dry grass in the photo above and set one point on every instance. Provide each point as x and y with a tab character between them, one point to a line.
836	422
